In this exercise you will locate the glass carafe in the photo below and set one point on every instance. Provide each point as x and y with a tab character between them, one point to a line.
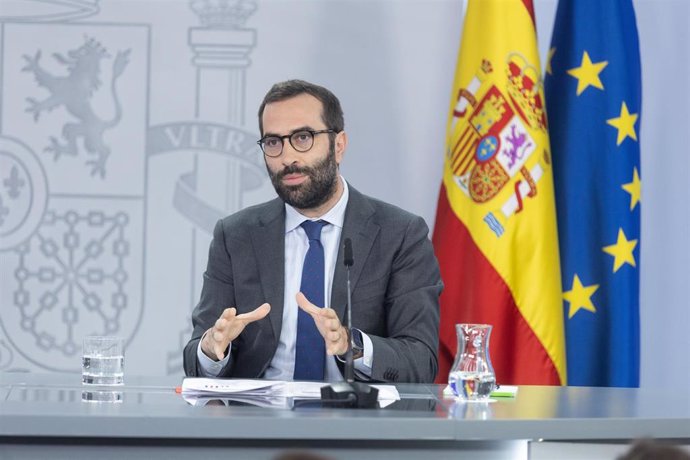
472	376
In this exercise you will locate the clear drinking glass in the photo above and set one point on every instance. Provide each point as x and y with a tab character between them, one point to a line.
103	361
472	376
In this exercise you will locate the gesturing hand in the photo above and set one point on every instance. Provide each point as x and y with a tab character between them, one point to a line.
328	324
227	328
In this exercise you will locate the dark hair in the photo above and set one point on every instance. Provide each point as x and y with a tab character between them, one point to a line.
332	114
649	449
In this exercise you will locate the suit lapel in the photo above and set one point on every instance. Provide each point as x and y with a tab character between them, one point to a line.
360	227
269	249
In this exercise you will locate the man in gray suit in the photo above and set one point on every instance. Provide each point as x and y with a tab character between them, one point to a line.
250	321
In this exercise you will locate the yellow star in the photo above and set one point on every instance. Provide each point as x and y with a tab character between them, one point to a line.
634	188
552	51
580	297
588	73
625	124
622	251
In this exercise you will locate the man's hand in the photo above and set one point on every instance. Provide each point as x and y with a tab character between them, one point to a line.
328	324
227	328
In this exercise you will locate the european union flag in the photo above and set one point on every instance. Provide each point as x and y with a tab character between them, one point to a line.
593	99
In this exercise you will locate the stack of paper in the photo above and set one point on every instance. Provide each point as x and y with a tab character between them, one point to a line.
265	393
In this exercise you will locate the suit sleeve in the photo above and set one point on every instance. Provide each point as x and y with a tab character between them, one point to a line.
408	353
217	293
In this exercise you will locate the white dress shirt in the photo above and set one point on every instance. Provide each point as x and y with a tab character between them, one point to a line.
282	365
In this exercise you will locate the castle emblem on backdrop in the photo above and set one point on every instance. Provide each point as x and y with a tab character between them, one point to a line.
74	91
493	137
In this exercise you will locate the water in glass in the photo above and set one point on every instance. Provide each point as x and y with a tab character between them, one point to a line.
102	370
471	385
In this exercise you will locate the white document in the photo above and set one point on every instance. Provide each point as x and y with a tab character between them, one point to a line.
194	389
207	387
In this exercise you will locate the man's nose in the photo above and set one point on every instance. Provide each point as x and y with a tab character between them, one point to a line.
289	155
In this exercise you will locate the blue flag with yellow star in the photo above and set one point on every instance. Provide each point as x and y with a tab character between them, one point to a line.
593	99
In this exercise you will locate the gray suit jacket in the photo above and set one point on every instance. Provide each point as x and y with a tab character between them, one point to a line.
395	282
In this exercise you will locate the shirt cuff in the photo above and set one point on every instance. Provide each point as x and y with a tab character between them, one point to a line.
207	366
363	364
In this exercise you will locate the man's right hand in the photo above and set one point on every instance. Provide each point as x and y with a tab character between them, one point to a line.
227	328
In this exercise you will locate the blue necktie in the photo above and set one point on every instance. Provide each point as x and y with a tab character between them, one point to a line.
310	350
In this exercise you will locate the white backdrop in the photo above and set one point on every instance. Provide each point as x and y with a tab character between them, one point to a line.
109	234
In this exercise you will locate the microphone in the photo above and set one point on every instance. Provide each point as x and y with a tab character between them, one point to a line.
349	261
349	394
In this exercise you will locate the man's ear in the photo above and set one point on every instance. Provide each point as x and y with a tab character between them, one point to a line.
340	146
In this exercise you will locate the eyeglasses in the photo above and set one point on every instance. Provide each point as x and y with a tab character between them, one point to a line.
302	141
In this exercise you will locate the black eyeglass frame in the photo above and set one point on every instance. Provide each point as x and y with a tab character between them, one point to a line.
289	138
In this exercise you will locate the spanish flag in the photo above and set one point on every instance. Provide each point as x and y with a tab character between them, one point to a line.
495	235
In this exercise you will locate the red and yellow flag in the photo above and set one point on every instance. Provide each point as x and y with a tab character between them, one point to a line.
495	234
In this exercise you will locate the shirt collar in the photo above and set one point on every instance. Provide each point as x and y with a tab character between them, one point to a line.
334	216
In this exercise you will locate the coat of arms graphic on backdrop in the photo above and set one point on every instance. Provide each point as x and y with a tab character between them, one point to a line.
73	225
492	140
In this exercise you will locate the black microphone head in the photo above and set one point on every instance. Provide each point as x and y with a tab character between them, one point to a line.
349	259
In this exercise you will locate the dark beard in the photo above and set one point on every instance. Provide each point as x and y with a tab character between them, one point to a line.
321	186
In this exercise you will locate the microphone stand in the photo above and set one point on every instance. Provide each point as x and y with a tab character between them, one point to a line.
349	361
349	394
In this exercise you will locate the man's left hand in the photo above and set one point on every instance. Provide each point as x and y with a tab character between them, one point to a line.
327	322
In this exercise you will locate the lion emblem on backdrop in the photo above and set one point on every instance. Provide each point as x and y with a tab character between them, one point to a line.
74	92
